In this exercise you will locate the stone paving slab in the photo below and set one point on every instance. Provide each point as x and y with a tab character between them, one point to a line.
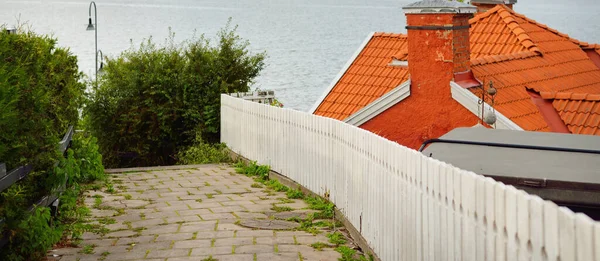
191	213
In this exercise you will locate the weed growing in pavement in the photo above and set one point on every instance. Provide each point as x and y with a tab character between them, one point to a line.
281	208
295	193
326	208
329	224
319	246
109	188
104	255
276	185
253	170
336	238
106	220
349	254
88	249
97	202
285	200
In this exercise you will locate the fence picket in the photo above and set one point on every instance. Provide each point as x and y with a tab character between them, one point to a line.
584	240
551	230
566	221
510	231
536	226
597	241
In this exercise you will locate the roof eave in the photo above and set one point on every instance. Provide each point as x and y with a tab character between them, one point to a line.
471	102
339	76
380	105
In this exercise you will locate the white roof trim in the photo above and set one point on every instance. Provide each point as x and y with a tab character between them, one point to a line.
471	102
378	106
341	73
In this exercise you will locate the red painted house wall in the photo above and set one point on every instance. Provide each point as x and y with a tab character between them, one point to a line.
434	56
420	117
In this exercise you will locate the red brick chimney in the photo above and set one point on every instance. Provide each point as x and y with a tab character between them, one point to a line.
438	42
484	5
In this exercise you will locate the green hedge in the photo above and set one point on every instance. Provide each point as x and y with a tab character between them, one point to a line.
152	100
41	93
33	234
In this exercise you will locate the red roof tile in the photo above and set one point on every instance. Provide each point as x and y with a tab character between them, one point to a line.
498	32
579	111
553	63
368	77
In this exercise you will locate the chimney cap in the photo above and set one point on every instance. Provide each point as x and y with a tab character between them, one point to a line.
440	6
494	2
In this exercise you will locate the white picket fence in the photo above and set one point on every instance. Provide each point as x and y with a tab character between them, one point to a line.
407	206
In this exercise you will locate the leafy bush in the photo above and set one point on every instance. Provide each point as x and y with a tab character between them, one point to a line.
152	100
86	153
32	234
33	237
203	153
82	165
40	94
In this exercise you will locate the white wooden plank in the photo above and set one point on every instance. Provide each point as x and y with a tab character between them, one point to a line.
450	214
437	207
490	219
551	230
480	203
523	226
500	221
536	226
468	221
597	241
584	237
444	238
456	176
510	231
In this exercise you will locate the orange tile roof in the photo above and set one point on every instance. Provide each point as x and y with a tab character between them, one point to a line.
507	48
553	62
579	111
498	32
369	77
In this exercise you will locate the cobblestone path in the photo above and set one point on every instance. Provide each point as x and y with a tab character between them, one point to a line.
196	213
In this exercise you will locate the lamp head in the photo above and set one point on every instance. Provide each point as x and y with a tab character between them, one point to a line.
101	69
90	26
11	30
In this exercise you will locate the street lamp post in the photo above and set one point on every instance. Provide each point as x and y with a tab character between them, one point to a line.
100	70
94	26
